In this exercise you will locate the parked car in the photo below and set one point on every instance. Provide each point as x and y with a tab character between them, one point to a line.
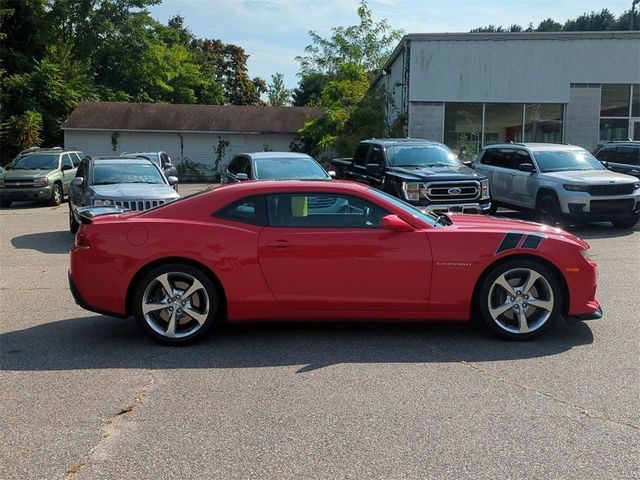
130	183
252	251
273	166
559	182
621	157
41	174
161	159
423	173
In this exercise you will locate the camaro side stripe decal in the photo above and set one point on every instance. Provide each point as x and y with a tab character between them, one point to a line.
510	240
532	241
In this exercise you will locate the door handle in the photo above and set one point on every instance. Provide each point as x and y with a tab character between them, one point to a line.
279	244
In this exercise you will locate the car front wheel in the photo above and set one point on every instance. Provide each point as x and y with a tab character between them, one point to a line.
176	304
56	195
520	299
550	212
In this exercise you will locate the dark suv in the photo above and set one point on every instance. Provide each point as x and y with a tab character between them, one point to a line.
621	157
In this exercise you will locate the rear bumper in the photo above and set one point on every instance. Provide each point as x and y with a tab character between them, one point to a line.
77	296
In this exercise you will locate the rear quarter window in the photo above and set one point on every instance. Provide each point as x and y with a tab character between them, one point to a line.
249	210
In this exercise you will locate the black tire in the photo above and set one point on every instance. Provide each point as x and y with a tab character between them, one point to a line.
73	224
186	327
544	289
56	195
549	210
625	222
493	208
5	203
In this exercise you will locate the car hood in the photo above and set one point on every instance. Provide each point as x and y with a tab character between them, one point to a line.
17	174
458	172
591	177
486	223
137	191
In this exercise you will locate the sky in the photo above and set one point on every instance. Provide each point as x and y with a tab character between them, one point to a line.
274	32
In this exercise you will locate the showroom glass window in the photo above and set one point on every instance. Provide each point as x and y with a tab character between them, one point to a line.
615	111
502	123
543	122
463	128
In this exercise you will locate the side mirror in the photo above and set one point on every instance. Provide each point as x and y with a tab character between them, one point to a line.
242	176
77	182
527	167
374	169
467	163
67	167
172	180
395	224
604	163
332	173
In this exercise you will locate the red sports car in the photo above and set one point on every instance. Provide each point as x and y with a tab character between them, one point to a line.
304	250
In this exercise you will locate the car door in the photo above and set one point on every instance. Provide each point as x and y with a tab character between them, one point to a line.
626	160
496	164
376	157
168	167
68	172
523	184
341	261
76	192
358	170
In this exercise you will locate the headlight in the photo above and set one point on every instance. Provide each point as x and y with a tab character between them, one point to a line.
484	184
411	190
41	182
636	185
100	203
576	188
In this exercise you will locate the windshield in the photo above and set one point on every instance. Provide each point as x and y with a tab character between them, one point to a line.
566	160
289	168
421	156
410	209
122	172
37	162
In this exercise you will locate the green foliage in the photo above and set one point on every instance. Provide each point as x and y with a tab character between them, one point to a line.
24	130
336	74
594	21
190	170
220	150
277	94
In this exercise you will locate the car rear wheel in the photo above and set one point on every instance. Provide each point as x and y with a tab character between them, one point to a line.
56	195
520	299
176	304
550	212
626	222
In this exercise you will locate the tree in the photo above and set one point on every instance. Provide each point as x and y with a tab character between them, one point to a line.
309	89
278	95
24	130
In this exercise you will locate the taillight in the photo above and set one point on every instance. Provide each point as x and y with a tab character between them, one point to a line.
81	240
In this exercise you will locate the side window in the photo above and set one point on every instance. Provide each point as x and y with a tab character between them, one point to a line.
489	157
521	156
377	155
604	154
233	166
360	156
322	210
248	210
627	155
75	159
245	166
82	170
66	160
503	158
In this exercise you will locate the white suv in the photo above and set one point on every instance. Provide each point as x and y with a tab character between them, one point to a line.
558	181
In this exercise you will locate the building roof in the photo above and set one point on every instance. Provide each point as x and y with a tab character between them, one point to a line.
163	117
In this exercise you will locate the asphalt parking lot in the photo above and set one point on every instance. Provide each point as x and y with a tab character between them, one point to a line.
87	396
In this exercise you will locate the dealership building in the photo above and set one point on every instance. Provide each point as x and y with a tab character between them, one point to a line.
473	89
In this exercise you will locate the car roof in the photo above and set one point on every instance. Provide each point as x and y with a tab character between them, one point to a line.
634	143
140	153
49	151
535	146
136	160
259	155
401	141
262	186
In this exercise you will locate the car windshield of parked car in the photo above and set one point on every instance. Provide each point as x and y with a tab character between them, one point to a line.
288	169
37	162
421	156
122	172
154	157
566	161
429	218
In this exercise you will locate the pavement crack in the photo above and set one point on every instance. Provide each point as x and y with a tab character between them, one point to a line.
110	424
585	412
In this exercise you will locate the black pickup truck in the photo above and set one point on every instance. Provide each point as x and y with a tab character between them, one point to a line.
424	173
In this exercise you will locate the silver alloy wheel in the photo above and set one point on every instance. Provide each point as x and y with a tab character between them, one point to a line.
175	304
57	195
520	300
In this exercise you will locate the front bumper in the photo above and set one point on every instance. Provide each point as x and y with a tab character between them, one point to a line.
25	194
581	204
595	315
475	207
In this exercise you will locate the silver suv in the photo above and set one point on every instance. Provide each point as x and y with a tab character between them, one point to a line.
558	181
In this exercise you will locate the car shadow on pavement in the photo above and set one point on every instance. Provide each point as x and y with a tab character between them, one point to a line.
45	242
100	342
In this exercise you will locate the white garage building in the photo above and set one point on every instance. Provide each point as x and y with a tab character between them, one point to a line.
472	89
185	132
